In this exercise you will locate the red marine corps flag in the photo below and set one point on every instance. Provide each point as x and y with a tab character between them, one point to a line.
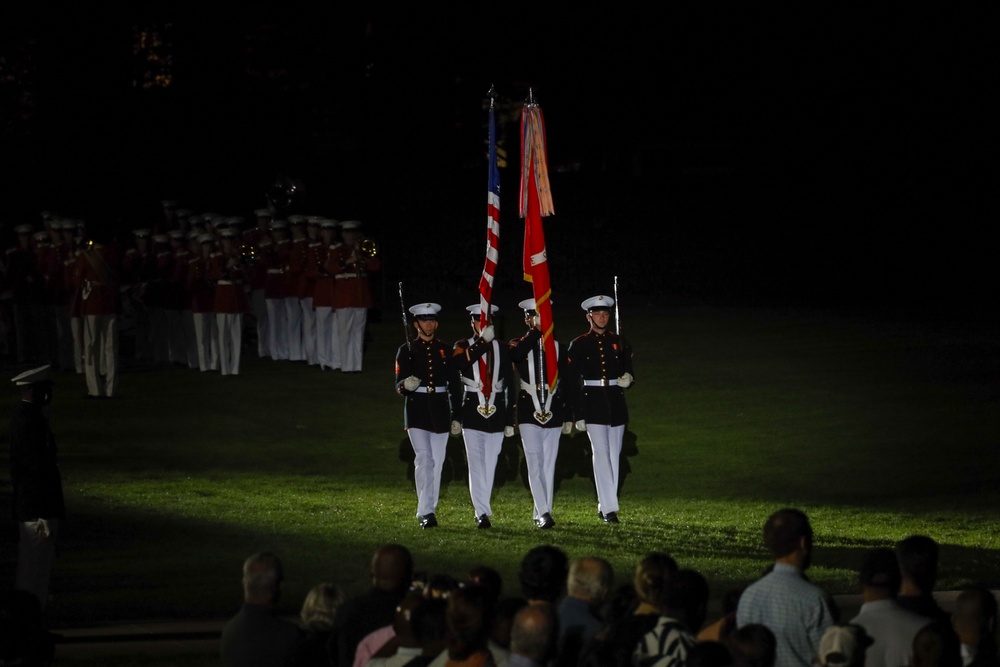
535	202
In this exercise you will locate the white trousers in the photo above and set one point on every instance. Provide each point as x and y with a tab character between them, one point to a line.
76	329
158	334
229	332
308	331
429	449
350	326
482	450
293	328
190	339
606	444
35	559
277	325
206	342
176	347
327	351
259	305
100	354
541	449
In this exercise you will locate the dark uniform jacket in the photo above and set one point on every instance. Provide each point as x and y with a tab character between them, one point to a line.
598	357
528	347
426	408
465	357
38	492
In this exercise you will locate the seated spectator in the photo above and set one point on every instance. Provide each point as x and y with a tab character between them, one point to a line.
630	617
682	612
316	618
588	586
469	618
405	646
936	645
753	645
974	620
543	573
256	635
890	625
391	573
533	635
503	621
918	567
843	646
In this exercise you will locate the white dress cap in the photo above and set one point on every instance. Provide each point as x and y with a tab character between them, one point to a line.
595	302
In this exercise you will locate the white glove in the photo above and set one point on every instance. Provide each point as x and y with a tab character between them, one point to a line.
581	425
567	428
456	427
508	431
488	334
625	380
411	383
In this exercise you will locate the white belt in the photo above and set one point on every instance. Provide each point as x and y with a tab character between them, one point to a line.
275	270
600	383
528	387
346	275
431	390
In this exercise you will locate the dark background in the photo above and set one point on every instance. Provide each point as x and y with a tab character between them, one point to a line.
806	157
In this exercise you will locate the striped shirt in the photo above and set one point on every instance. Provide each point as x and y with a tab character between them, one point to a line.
666	645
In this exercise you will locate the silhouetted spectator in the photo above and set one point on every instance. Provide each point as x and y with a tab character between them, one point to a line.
974	620
316	618
391	571
683	608
918	565
890	625
256	636
936	645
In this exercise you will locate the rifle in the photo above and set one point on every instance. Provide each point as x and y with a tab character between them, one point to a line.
406	327
618	321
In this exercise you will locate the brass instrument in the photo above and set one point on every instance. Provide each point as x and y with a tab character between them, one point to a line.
367	248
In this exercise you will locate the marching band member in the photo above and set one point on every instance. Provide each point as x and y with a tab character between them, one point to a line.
351	266
230	302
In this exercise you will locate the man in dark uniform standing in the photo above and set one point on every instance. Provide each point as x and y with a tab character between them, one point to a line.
423	376
38	506
484	415
599	365
542	415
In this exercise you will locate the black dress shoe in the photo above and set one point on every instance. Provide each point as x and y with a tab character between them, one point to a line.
483	522
428	521
546	522
610	517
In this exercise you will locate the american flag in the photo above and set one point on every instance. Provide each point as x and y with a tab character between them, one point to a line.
536	201
492	241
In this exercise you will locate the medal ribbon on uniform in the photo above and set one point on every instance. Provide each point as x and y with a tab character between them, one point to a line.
485	390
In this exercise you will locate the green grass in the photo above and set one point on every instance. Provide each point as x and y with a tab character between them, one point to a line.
878	429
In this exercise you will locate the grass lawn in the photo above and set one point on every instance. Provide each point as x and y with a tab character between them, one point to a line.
875	427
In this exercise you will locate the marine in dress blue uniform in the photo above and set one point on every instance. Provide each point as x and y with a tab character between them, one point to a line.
484	413
599	369
423	378
542	415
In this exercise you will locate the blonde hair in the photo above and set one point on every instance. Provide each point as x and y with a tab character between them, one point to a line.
320	606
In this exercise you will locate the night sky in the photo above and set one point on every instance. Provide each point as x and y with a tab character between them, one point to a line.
813	156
